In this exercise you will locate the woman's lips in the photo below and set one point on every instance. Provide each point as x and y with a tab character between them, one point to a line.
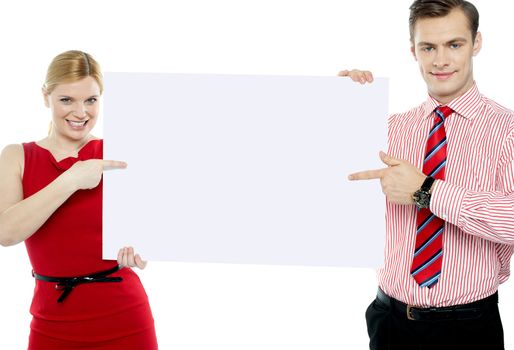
77	125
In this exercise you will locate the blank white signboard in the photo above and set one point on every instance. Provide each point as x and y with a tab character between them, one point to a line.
244	169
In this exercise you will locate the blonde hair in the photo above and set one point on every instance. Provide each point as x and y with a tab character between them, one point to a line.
71	66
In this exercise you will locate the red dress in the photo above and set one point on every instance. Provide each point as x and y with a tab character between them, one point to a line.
107	316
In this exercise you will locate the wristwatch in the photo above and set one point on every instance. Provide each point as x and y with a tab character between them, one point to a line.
422	196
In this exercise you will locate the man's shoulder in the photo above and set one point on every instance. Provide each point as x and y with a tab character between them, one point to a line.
497	108
409	115
500	115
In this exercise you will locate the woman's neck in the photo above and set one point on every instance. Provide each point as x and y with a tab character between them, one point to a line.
63	147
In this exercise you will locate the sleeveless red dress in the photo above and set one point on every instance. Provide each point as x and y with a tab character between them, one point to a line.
107	316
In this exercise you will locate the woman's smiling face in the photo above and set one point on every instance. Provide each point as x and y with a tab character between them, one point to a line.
74	107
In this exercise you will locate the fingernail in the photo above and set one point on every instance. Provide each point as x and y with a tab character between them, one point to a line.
350	177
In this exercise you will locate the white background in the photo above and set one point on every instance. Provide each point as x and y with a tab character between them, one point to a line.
217	306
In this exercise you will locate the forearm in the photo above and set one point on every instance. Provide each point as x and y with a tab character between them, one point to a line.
489	215
20	221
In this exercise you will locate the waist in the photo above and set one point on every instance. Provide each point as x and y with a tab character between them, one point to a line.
461	282
456	312
88	301
66	284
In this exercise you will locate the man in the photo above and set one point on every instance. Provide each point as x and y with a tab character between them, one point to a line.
449	184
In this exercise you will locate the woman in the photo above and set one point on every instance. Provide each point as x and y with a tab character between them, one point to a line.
51	198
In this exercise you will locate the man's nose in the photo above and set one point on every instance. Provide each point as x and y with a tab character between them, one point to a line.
441	58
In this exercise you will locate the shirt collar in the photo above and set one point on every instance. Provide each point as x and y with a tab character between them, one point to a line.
466	105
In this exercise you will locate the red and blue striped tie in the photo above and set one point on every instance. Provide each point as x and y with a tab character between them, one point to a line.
428	253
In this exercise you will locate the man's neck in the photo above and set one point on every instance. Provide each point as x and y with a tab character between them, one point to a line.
444	100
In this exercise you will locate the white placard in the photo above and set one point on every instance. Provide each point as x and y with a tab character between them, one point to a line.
244	169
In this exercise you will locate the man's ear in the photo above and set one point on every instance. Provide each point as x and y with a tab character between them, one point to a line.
477	45
413	50
46	97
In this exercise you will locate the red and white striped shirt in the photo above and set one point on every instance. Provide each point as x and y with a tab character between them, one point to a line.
476	200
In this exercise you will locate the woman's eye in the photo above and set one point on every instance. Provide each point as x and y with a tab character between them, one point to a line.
65	100
91	100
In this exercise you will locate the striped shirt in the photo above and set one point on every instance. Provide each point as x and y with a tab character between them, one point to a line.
476	200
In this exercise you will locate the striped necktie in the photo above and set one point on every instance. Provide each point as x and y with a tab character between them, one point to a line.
428	253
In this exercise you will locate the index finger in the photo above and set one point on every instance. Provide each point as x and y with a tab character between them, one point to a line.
114	164
344	73
367	175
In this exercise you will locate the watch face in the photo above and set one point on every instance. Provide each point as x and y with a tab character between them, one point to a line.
421	198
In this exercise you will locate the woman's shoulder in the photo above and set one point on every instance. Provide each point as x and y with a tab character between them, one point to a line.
13	151
12	158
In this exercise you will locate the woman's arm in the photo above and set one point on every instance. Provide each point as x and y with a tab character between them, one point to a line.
20	218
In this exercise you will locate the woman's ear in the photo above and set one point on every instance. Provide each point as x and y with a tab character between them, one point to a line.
46	97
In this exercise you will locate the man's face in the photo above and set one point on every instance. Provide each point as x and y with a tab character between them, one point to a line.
444	49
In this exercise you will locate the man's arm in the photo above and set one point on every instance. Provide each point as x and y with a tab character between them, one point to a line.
358	76
488	215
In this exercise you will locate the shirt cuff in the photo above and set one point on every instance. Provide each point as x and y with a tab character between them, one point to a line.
446	201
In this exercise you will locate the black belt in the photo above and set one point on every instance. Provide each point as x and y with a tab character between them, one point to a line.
66	284
457	312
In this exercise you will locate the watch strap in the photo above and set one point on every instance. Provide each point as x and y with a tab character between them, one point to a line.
427	184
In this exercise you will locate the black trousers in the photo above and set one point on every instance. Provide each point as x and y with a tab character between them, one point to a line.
390	330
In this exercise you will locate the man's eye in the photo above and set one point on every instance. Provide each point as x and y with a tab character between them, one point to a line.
428	49
455	46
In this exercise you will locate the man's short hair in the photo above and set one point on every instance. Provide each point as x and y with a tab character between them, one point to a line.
440	8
